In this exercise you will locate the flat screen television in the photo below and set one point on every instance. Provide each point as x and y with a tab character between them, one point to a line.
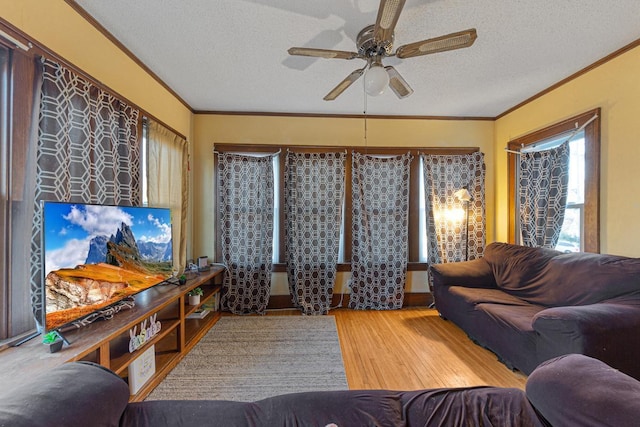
96	255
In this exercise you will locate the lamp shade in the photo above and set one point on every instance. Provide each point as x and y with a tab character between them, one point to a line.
376	80
463	195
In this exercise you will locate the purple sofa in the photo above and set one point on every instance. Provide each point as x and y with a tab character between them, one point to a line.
528	305
572	390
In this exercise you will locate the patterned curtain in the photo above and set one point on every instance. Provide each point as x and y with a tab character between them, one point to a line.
379	231
88	152
543	185
245	186
314	192
455	229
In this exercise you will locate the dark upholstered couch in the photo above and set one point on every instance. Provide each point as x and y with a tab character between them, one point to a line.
572	390
528	305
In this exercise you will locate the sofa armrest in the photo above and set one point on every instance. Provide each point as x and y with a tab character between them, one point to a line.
76	394
476	273
606	331
575	390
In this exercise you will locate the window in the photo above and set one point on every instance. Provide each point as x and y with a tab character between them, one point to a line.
20	290
165	179
4	189
16	203
572	234
417	230
423	252
144	161
580	230
277	208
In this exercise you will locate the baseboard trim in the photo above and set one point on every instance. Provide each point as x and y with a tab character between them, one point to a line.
411	299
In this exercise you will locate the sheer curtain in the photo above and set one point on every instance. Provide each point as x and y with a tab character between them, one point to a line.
314	192
168	183
542	185
455	230
88	152
380	187
245	188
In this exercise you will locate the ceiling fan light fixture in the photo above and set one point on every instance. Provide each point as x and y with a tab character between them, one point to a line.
376	80
375	42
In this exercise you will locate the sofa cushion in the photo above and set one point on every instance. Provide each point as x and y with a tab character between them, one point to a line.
176	413
75	394
512	335
520	270
576	390
470	406
344	408
584	278
473	273
473	296
518	318
551	278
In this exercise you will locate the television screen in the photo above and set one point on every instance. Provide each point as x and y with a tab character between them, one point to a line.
96	255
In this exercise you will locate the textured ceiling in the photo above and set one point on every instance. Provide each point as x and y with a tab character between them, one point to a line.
231	55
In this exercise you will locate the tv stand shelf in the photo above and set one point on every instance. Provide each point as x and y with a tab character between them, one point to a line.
107	342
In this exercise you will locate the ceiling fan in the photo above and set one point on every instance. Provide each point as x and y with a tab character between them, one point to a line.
375	42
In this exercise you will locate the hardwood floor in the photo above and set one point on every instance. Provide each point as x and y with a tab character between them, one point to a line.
413	349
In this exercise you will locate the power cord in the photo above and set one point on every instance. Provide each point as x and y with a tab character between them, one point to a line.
339	303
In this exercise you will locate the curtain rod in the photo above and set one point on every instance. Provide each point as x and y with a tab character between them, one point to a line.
574	133
244	154
15	41
306	152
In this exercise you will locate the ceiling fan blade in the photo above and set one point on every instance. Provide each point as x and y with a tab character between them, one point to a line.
322	53
398	85
439	44
388	14
343	85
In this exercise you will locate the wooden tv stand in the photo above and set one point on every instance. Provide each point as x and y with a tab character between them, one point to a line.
107	342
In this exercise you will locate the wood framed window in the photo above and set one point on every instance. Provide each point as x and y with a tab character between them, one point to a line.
590	208
17	75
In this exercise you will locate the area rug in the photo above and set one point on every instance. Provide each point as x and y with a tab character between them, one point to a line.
248	358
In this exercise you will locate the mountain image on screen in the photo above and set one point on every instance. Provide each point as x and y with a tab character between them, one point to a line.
148	251
116	266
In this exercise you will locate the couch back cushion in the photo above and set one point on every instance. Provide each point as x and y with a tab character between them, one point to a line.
552	279
585	278
314	408
520	270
